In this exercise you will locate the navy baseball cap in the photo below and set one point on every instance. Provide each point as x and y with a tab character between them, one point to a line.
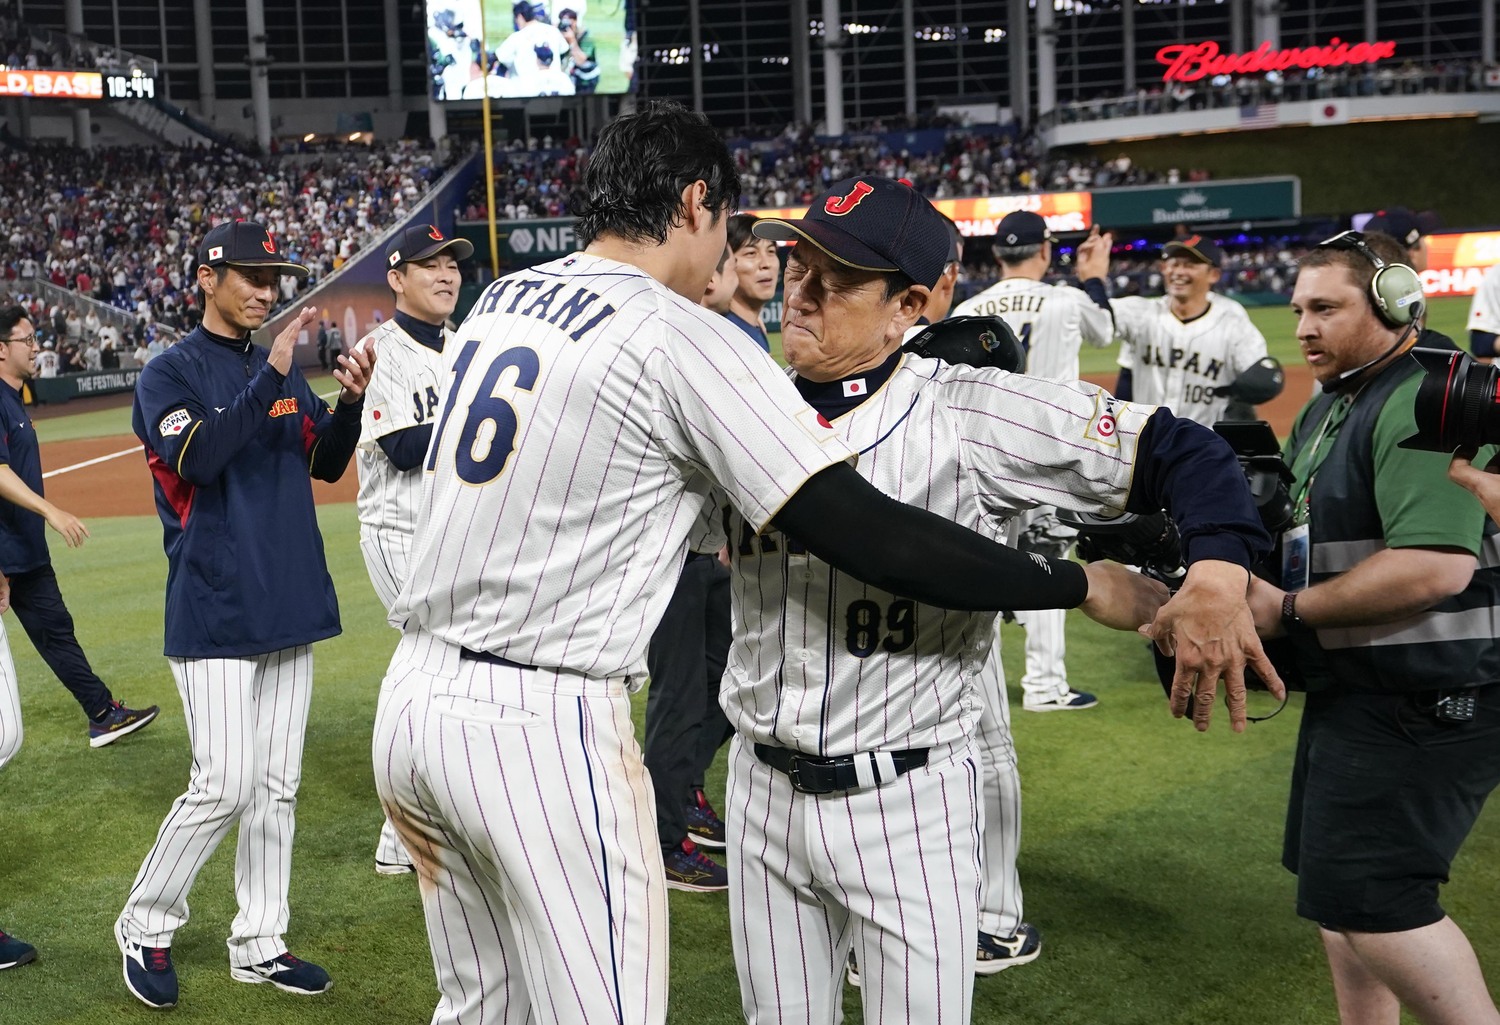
1195	247
1023	228
1402	225
420	241
245	244
870	223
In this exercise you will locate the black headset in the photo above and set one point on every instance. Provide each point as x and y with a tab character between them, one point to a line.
1395	290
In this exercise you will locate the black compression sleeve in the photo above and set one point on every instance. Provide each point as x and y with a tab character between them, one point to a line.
1124	386
407	447
1482	343
842	519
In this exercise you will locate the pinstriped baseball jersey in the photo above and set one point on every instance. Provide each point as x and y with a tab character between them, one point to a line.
587	415
1052	321
1179	364
827	665
402	393
1484	310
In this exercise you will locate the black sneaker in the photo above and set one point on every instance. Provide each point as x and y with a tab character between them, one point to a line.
690	869
287	974
119	721
149	974
997	953
703	823
14	952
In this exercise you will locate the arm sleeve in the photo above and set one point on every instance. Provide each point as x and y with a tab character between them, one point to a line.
406	448
1125	385
331	434
1482	343
1096	319
195	442
843	520
1191	472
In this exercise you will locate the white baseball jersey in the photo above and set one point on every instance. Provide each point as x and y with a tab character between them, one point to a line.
1052	322
1484	310
588	415
10	703
974	446
402	393
1179	364
518	54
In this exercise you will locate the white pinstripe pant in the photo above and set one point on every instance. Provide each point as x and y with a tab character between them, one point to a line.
523	799
10	703
1000	903
246	721
387	554
892	871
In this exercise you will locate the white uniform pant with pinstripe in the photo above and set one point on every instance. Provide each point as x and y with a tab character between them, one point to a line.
891	871
1046	675
246	720
523	800
10	703
1000	904
386	553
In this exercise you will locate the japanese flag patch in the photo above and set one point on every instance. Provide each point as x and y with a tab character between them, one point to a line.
1102	427
174	423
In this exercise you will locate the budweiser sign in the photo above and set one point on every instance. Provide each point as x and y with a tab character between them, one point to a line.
1188	62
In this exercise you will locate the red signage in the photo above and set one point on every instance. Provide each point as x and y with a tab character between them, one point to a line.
69	85
1188	62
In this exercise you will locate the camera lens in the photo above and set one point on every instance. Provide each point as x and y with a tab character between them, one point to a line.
1456	402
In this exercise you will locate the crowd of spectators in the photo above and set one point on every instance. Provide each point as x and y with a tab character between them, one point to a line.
73	338
1295	85
121	224
534	178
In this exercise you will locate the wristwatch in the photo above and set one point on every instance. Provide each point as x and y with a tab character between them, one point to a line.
1289	619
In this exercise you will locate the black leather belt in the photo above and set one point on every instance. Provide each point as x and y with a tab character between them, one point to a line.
810	775
470	655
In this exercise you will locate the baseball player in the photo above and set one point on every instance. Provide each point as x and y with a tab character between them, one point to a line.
519	55
1052	321
1484	315
25	514
854	805
591	410
401	403
1185	348
13	952
232	433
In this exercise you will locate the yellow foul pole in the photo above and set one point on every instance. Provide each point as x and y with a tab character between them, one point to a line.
489	141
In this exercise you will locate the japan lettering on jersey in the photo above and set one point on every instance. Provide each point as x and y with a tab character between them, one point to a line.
587	414
827	665
1179	364
1052	321
402	393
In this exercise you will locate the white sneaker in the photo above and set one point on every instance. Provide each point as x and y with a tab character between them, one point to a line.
1072	701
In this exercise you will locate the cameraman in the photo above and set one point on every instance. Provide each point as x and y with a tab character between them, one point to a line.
1391	632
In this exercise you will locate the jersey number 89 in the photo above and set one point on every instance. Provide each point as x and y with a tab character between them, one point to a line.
472	466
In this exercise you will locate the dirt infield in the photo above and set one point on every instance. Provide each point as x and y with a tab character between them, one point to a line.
122	486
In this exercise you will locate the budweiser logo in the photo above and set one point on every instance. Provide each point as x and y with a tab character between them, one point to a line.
1188	62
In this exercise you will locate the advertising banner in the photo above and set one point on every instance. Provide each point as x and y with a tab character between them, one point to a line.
1248	199
92	382
1456	261
58	85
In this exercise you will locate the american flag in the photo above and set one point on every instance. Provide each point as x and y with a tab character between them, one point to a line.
1259	115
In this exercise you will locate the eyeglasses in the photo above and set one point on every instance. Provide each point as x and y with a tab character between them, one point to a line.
29	341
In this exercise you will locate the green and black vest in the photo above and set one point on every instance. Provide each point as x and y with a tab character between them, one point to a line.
1452	644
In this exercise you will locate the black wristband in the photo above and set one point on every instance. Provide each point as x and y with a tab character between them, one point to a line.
1289	618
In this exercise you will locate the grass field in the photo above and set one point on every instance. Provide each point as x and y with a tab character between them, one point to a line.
1150	855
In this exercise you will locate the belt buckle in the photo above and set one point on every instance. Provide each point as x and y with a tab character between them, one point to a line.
794	774
813	782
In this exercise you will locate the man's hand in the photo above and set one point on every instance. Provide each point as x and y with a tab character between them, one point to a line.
68	525
280	356
1092	257
1120	598
1485	484
354	370
1208	626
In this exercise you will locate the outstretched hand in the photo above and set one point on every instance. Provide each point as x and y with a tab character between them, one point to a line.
1208	627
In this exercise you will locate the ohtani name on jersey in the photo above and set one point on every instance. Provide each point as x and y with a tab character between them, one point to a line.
1173	359
1013	304
560	305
